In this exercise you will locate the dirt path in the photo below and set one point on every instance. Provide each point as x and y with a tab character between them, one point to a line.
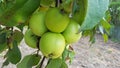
100	55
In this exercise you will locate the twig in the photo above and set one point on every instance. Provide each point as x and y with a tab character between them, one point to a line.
48	61
57	3
9	39
42	62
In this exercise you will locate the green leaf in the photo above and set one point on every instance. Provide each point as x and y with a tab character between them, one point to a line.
92	36
56	63
18	36
29	61
14	54
65	54
21	26
108	16
23	14
67	5
105	36
3	47
64	65
46	2
3	40
11	6
71	55
79	10
95	12
105	25
68	55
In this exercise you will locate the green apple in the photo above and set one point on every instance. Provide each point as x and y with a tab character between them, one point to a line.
30	39
55	20
52	44
37	24
71	32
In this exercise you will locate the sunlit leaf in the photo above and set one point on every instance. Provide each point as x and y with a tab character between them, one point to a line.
95	11
105	36
105	24
101	29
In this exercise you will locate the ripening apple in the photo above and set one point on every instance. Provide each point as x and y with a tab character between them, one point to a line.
71	32
55	20
30	39
52	44
37	24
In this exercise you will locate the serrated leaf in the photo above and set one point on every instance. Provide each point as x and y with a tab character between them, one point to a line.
14	54
95	12
18	36
105	37
55	63
29	61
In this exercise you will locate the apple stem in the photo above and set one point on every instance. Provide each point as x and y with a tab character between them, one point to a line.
38	43
42	62
38	52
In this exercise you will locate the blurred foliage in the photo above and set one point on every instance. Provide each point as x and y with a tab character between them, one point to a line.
114	9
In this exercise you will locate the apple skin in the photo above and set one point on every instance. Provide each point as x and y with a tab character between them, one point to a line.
30	39
55	20
36	23
71	32
52	45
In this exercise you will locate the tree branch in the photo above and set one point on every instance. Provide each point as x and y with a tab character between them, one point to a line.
42	62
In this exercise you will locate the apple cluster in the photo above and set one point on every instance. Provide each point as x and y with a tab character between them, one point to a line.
54	29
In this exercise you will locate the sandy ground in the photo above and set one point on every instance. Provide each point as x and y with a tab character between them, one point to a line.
100	55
